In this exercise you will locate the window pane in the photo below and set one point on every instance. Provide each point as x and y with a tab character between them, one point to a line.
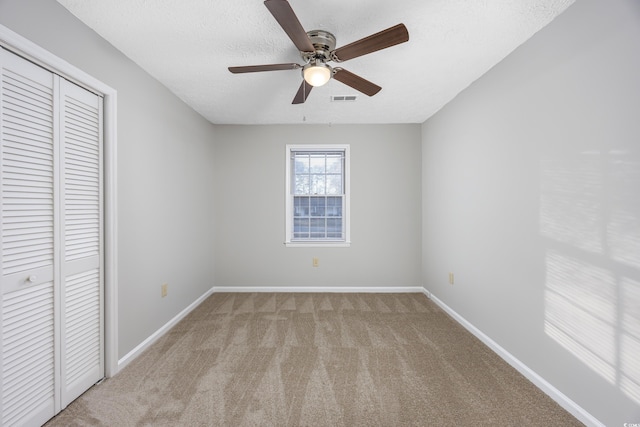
334	163
302	184
334	184
302	163
318	228
334	228
334	206
317	163
318	184
318	206
301	206
300	228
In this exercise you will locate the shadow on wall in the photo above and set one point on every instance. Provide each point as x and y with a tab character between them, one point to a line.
590	214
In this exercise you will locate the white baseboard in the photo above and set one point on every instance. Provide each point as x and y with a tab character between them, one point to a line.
160	332
568	404
321	289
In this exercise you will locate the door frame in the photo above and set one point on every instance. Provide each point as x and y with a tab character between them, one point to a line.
21	46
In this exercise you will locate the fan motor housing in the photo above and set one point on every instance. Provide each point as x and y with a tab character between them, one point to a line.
323	41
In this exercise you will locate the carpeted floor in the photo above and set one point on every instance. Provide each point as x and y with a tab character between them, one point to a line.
266	359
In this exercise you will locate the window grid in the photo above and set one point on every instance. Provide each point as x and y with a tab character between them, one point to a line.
318	195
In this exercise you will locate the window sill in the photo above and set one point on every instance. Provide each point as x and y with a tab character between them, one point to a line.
317	244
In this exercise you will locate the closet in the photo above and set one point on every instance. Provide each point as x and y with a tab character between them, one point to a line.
51	244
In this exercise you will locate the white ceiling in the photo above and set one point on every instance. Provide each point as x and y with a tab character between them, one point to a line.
188	45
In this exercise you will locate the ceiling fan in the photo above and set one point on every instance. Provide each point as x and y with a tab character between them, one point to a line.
317	47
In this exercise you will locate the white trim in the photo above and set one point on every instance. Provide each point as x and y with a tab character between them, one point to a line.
317	244
346	212
111	233
26	48
555	394
129	357
322	289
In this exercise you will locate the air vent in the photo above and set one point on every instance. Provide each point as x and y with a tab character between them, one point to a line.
343	98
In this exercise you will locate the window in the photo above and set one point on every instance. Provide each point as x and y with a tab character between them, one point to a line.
317	195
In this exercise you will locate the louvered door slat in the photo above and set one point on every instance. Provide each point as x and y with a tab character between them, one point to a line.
20	157
26	360
82	160
26	176
22	127
22	117
81	124
20	194
82	149
38	330
83	344
87	244
27	322
24	189
16	134
38	239
35	110
26	147
15	80
41	361
84	193
83	128
28	357
24	160
15	195
80	226
82	230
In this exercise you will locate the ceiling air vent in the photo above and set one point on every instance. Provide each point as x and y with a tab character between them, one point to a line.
343	98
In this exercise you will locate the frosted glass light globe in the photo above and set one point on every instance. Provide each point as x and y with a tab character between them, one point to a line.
317	75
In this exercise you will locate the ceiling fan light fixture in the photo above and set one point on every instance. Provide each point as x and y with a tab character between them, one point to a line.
317	74
317	47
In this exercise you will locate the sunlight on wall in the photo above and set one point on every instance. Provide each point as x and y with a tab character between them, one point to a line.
564	217
630	339
623	227
581	311
590	216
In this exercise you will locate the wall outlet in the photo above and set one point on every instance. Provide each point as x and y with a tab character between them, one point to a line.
451	278
164	289
316	262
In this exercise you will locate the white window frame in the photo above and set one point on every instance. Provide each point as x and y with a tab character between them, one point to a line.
346	214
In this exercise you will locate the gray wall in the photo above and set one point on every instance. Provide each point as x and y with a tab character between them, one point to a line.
385	208
165	152
531	197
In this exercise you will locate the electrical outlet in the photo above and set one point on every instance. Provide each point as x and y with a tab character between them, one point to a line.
164	290
451	278
316	262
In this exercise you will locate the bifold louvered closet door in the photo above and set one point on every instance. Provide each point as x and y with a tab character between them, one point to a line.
51	323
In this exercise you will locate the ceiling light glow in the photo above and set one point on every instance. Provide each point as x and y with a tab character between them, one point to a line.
317	74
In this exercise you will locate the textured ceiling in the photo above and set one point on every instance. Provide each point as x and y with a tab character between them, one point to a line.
188	45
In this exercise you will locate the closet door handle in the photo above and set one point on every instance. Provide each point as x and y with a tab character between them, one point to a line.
32	278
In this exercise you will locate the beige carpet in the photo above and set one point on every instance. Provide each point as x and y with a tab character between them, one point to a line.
268	359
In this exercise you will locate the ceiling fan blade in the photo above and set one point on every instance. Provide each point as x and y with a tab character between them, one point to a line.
378	41
303	93
286	17
355	81
270	67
